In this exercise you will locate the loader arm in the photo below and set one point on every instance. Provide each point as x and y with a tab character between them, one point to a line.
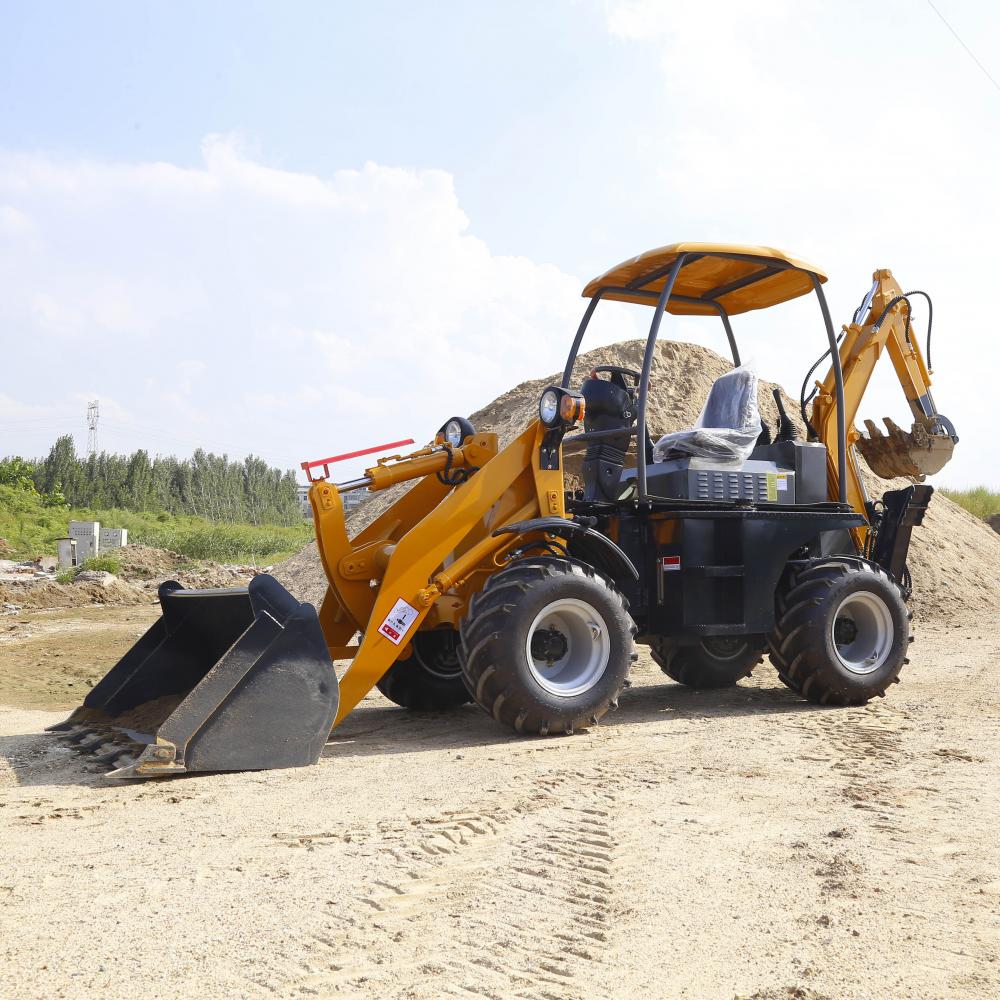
412	566
923	451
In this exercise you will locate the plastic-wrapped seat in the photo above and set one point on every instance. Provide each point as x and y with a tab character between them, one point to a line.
727	428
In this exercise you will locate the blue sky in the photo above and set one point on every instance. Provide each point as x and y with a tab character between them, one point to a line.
301	228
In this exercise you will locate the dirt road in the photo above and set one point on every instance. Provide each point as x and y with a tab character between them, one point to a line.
714	844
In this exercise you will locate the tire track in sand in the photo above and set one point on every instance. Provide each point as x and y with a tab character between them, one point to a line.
518	898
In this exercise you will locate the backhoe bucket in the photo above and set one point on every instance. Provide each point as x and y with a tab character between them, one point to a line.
914	455
226	680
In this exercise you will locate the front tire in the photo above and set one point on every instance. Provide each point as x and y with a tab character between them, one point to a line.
547	646
430	679
842	633
714	662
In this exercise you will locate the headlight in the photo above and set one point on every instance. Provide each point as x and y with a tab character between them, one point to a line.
454	432
560	408
548	407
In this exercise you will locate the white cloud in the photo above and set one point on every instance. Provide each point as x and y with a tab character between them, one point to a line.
854	136
274	311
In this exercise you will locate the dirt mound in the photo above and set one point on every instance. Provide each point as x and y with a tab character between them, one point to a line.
141	570
153	566
46	594
143	562
953	556
302	574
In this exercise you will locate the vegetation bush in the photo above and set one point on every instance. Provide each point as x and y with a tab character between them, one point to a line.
981	501
31	529
102	564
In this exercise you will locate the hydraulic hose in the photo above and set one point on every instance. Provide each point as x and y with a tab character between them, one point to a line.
804	400
905	297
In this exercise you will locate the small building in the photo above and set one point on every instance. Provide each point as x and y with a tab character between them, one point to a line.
351	500
66	552
304	505
87	535
354	499
87	540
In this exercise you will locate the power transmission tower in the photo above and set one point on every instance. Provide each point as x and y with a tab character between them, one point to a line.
93	412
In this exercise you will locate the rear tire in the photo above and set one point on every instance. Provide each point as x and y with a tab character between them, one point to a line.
430	680
842	633
715	662
547	646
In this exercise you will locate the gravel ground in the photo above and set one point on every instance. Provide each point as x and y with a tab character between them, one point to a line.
713	844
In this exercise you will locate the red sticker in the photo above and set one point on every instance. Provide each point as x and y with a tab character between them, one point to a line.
398	621
670	563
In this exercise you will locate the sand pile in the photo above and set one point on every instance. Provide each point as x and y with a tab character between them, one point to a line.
953	556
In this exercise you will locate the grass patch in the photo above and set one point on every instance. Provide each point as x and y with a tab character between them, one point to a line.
223	542
980	501
101	564
31	529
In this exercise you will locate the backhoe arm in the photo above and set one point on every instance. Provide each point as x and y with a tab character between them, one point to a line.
928	446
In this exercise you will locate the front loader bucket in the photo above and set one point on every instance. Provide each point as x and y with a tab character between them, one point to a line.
914	455
226	680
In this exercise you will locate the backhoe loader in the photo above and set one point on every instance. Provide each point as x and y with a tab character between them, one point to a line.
490	581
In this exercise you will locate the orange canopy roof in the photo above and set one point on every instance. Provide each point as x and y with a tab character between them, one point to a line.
737	277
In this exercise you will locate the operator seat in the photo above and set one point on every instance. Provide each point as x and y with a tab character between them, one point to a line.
728	427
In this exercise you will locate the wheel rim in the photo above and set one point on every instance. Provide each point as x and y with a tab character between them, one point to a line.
437	652
724	648
862	632
568	647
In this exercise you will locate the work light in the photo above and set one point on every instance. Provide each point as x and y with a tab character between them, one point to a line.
558	407
454	432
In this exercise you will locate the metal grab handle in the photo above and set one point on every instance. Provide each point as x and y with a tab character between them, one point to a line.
327	462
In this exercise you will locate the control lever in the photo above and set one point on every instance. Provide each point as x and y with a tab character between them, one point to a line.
786	429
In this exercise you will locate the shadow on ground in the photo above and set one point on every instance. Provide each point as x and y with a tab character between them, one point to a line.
38	759
383	730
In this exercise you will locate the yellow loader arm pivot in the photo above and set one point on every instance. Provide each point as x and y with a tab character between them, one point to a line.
414	567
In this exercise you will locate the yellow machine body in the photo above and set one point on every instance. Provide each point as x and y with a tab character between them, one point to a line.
226	666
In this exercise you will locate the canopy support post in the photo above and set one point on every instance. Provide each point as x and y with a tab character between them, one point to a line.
838	378
647	364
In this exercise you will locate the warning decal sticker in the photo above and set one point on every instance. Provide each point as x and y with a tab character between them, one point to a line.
670	563
398	621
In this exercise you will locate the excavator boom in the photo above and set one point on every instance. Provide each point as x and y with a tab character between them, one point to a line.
883	325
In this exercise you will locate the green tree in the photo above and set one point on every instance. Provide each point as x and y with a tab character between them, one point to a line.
16	472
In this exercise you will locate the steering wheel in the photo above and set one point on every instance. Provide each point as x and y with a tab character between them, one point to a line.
617	370
636	377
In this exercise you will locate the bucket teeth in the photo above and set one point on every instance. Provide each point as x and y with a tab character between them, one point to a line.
79	734
94	742
912	454
101	745
227	680
115	759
